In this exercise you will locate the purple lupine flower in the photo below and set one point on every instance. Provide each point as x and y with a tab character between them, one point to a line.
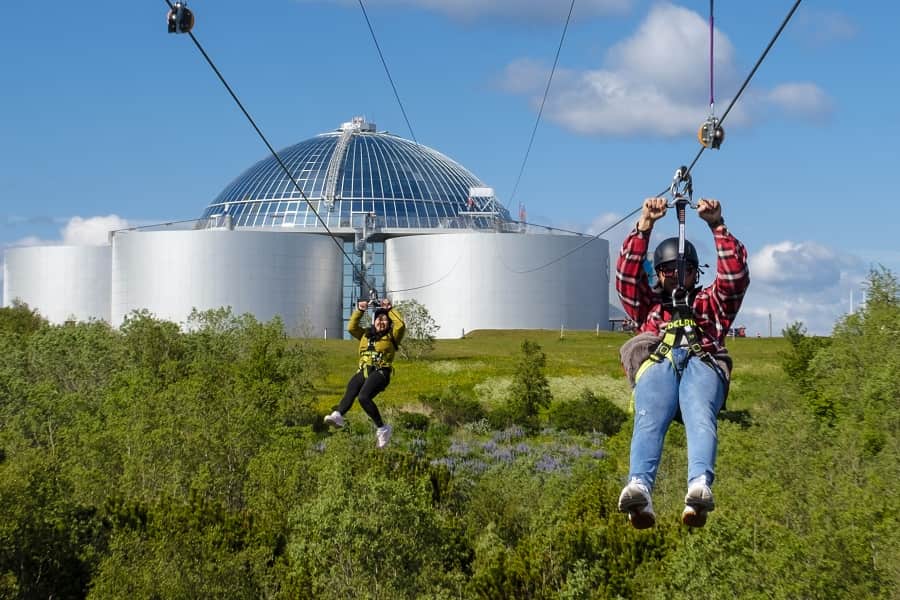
461	448
502	454
548	464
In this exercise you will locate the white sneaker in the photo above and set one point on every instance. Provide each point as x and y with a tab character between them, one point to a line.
383	435
635	500
698	503
335	419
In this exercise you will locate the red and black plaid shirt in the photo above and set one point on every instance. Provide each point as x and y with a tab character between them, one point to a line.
714	307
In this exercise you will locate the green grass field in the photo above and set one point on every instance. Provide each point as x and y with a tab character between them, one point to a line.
484	362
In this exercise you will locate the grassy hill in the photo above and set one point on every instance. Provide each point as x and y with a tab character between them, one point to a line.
149	462
484	363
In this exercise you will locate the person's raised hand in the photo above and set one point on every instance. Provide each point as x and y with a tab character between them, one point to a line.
710	211
652	211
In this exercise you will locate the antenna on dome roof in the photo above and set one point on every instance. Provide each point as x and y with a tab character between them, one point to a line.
358	124
482	202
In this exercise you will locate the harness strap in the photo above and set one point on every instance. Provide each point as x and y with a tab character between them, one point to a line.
675	329
686	327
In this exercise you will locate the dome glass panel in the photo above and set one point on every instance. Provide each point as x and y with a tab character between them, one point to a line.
351	172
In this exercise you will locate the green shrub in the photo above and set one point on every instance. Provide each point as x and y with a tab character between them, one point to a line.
18	319
412	420
530	389
588	413
453	407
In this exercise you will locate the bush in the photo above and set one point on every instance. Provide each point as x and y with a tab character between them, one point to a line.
453	407
420	330
411	420
588	413
530	390
19	319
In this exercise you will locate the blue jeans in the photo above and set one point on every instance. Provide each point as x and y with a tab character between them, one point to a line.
658	395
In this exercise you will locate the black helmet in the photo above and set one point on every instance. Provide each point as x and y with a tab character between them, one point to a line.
667	252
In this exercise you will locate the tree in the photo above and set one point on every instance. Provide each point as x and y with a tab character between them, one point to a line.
797	364
530	390
19	319
420	329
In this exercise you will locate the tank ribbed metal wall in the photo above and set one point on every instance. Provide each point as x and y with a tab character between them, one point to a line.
292	275
61	282
471	281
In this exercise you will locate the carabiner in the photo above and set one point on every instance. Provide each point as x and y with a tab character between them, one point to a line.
682	186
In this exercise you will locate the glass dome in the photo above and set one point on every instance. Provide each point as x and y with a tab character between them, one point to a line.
353	172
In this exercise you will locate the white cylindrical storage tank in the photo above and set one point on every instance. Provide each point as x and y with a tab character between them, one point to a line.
61	282
295	276
489	280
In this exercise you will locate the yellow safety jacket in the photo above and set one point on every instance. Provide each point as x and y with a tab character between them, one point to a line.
378	353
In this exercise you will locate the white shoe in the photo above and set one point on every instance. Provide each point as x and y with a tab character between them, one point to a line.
635	500
335	419
383	435
698	503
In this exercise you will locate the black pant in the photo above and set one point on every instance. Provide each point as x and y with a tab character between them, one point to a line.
366	388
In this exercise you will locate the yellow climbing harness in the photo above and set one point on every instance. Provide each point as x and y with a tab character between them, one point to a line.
686	327
675	329
372	359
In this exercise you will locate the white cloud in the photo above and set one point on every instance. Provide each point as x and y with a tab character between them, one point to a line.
825	27
92	231
31	240
519	10
804	265
789	282
800	281
801	99
78	231
606	221
671	49
523	76
651	81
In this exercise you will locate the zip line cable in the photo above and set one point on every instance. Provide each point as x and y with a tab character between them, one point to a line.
338	243
590	240
543	101
702	148
386	70
578	233
762	56
749	77
423	286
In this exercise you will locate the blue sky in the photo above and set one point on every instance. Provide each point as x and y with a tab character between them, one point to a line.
108	120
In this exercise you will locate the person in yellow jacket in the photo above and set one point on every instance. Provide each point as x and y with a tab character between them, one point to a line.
377	347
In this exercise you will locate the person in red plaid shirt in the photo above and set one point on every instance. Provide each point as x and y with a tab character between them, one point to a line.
677	362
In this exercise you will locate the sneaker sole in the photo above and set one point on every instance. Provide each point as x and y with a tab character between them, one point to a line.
637	516
641	520
694	516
